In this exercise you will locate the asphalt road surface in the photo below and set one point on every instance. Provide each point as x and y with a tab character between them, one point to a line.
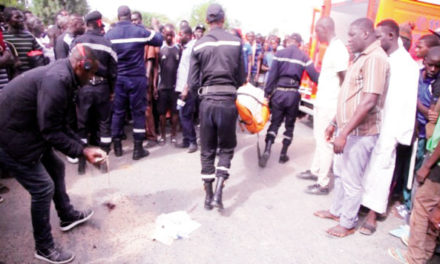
267	218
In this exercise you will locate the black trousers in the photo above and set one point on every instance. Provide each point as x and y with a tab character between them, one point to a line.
94	105
218	119
284	106
44	181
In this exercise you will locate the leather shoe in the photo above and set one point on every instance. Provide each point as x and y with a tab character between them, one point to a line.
307	175
318	189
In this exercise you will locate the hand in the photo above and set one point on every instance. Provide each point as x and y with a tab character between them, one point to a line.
422	173
339	144
94	155
184	94
155	93
434	218
329	131
266	101
432	116
112	97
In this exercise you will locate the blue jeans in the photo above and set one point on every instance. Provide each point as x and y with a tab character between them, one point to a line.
186	115
44	181
132	91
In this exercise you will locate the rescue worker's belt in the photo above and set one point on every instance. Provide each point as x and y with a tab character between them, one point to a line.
288	81
287	89
217	89
97	80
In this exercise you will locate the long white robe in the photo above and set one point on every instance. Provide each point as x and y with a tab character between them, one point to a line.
398	118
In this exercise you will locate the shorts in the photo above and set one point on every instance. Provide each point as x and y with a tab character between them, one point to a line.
167	101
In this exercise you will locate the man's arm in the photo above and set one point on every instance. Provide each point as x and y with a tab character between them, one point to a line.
341	77
368	102
154	38
52	104
194	74
241	74
272	78
311	70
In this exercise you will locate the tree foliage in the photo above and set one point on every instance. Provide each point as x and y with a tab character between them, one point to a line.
148	16
15	3
47	9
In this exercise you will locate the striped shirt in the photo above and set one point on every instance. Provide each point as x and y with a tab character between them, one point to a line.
369	73
23	43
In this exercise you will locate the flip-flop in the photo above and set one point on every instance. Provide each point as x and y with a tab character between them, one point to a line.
397	255
404	238
367	229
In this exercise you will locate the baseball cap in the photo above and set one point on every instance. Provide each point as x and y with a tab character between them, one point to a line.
214	13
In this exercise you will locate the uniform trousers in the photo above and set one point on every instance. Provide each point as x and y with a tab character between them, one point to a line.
131	91
186	114
94	105
284	105
218	119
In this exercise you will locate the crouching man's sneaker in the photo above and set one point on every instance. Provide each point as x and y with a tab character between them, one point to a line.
76	219
54	255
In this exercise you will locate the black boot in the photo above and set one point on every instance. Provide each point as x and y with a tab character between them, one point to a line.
266	154
209	193
117	144
105	147
139	151
217	199
283	156
82	165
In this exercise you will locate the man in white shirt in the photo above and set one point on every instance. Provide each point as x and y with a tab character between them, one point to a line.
187	100
398	119
334	65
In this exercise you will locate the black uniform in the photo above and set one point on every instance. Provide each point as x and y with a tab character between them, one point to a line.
94	98
217	68
33	111
282	86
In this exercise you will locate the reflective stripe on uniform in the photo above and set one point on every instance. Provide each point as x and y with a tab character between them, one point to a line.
223	168
294	61
217	44
106	140
138	130
208	176
101	47
134	40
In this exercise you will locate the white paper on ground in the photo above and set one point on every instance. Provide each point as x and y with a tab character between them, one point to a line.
175	225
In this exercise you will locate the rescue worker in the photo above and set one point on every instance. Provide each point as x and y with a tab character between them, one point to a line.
216	70
33	118
129	40
282	89
93	101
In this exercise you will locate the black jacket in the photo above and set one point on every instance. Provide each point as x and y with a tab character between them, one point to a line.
62	45
102	49
216	59
287	68
33	113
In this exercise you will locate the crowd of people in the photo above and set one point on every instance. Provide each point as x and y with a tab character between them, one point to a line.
85	84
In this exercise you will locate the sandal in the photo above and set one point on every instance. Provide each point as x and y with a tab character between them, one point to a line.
367	229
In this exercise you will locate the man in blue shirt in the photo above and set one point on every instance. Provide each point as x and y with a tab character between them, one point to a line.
129	40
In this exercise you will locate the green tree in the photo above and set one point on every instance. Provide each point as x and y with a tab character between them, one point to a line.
147	17
46	9
198	16
16	3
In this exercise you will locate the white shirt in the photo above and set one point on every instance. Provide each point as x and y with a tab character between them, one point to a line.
183	70
335	60
399	112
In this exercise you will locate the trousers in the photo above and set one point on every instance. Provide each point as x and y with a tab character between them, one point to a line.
218	119
93	105
45	182
284	106
130	91
186	114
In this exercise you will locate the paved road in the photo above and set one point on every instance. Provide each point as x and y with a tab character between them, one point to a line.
268	218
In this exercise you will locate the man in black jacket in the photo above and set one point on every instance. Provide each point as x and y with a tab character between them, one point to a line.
33	110
282	88
93	101
216	70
